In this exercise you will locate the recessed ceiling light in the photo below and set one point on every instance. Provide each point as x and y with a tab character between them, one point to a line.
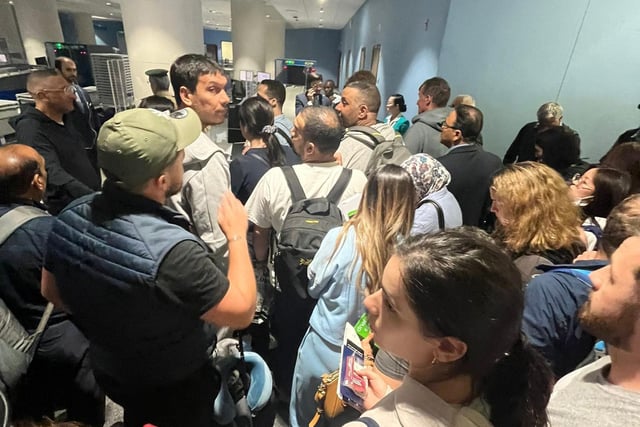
108	3
321	10
111	14
267	16
320	19
320	25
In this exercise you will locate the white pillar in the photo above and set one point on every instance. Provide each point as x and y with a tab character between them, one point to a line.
157	33
273	41
84	28
248	35
39	23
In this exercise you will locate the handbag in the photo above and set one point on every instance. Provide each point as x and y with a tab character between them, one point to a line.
329	404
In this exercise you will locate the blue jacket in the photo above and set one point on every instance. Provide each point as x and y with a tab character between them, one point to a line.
105	250
550	321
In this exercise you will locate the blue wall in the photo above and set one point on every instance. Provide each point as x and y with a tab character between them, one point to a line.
107	32
576	52
409	53
317	44
216	36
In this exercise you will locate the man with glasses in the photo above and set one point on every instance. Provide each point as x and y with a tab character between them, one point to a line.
313	95
470	166
45	127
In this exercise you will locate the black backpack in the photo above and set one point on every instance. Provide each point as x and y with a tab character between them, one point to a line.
304	227
384	151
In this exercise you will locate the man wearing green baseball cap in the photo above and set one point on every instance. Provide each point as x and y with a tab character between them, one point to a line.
140	285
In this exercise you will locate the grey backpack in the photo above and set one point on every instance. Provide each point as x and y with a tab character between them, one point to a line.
385	151
17	347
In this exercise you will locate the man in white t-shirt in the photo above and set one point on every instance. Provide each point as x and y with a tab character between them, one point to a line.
359	106
315	135
607	392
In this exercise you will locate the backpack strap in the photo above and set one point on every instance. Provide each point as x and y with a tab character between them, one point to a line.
340	185
297	192
13	219
375	136
283	134
438	211
369	422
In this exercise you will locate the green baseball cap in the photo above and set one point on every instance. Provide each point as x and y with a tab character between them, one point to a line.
137	145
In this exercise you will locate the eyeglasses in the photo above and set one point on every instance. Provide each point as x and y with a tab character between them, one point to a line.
67	90
578	181
443	125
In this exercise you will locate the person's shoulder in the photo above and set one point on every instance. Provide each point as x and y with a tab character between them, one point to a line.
200	150
579	376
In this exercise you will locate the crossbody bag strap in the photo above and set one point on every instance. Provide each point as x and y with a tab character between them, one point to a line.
438	208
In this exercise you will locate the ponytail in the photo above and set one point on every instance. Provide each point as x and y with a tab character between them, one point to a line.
275	153
518	388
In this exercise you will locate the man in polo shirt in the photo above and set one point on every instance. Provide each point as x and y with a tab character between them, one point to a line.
139	284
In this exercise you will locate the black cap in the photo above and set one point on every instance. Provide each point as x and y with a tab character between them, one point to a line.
156	72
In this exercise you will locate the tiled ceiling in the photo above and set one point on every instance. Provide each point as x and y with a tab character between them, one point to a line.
216	14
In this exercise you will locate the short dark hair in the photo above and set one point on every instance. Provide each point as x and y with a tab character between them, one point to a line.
368	93
312	78
16	180
275	90
469	122
623	222
560	147
460	284
159	82
611	186
156	102
399	101
438	89
323	127
626	157
362	76
37	76
187	69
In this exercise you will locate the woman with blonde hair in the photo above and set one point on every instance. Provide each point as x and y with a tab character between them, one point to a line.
538	222
347	267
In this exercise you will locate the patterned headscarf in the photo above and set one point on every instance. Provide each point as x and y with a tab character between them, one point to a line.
428	174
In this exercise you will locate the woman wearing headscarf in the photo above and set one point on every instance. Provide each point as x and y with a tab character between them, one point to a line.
430	179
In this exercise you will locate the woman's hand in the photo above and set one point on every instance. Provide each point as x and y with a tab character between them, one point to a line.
377	388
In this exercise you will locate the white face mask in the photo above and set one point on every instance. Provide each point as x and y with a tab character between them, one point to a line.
584	201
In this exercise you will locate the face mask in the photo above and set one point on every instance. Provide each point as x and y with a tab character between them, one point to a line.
584	201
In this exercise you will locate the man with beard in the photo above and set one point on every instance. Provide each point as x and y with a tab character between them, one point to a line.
607	392
139	284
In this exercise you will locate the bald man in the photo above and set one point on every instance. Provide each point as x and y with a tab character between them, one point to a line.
359	106
44	127
84	116
60	375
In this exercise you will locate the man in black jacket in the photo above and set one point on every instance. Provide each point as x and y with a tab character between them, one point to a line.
470	166
71	173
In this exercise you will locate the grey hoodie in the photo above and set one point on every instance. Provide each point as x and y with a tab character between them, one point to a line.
425	137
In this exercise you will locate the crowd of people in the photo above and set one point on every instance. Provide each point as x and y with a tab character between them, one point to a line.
485	282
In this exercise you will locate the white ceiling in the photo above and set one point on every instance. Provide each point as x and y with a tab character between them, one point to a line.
216	14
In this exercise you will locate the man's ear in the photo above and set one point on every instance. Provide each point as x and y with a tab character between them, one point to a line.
450	349
363	111
273	102
310	147
185	96
38	182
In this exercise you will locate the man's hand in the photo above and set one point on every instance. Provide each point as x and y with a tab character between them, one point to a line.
232	217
